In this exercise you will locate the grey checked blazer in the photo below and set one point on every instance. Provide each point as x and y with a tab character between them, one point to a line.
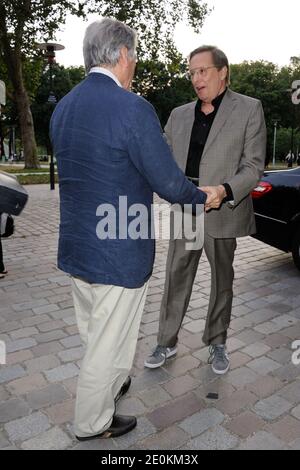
234	153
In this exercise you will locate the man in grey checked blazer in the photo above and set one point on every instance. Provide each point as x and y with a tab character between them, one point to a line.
218	140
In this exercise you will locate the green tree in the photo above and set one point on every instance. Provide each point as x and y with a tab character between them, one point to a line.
63	80
24	22
270	84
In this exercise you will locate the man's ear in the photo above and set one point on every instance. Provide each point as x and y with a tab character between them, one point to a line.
224	73
123	55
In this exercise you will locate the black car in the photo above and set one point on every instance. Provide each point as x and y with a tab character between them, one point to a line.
276	203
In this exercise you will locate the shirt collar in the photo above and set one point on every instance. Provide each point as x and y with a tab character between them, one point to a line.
106	72
216	102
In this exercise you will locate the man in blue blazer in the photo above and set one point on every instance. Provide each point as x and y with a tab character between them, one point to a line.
109	146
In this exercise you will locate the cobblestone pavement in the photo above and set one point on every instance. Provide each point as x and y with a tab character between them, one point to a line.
259	399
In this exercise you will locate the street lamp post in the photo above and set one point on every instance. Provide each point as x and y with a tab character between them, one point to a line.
274	145
50	48
295	97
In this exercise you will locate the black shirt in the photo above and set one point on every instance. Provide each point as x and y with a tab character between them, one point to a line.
200	132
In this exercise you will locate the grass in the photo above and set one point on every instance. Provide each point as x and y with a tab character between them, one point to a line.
15	170
35	179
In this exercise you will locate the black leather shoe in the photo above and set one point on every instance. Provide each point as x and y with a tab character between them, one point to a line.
124	389
120	425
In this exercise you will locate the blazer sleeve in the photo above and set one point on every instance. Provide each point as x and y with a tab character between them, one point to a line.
168	131
253	159
152	156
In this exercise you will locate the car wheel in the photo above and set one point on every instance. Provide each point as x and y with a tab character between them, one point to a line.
296	249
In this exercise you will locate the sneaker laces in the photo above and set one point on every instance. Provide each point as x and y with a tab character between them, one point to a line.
217	352
159	350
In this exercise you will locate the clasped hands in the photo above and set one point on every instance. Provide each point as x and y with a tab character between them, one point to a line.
215	196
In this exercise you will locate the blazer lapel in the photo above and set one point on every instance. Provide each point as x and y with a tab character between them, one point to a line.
225	110
189	119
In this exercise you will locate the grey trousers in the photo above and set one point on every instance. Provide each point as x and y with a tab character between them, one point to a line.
181	270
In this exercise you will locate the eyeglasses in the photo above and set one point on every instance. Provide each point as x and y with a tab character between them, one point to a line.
201	72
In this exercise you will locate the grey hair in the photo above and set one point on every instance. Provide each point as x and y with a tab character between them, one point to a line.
220	59
103	41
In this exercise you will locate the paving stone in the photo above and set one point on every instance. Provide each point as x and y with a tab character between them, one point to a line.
3	394
281	355
263	365
233	344
20	344
268	328
50	395
23	333
287	373
72	354
18	357
169	439
13	409
245	424
219	387
195	326
54	439
256	350
25	428
177	410
296	412
50	336
29	305
47	348
236	402
262	441
198	423
61	373
148	378
291	392
295	445
35	320
239	378
216	439
8	373
9	326
131	406
26	384
182	365
42	363
45	309
154	397
263	387
238	360
144	428
272	408
276	340
51	325
287	429
98	444
71	341
181	385
3	441
70	385
61	413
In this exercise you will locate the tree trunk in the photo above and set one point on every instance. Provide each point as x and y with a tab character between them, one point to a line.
27	128
15	71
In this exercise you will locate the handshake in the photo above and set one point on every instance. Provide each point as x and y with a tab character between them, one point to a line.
215	196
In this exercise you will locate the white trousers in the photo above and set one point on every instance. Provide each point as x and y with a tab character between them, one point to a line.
108	319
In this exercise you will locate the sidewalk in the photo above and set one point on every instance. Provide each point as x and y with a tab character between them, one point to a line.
259	399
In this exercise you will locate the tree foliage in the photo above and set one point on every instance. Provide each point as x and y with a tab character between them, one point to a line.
23	23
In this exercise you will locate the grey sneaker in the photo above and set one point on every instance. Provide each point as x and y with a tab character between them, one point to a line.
218	358
159	356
